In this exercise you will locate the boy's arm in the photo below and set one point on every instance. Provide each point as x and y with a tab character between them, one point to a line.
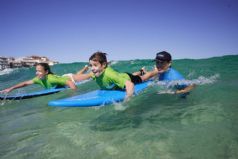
71	84
22	84
129	89
81	77
83	70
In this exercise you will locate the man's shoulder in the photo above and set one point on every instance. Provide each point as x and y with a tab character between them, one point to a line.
172	74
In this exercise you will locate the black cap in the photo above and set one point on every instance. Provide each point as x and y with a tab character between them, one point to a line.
163	56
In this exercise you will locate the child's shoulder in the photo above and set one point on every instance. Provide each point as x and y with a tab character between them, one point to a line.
109	70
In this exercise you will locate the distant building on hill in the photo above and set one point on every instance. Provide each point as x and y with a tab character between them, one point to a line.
30	61
4	63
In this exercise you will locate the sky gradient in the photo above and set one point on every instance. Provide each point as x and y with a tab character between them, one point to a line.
71	30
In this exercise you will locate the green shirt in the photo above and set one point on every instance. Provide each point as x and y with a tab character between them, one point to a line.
110	79
51	81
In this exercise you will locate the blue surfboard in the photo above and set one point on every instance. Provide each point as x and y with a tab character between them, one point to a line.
97	97
34	94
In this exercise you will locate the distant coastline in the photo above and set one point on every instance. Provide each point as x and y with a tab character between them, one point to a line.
29	61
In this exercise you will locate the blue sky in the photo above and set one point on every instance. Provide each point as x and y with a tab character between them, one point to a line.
71	30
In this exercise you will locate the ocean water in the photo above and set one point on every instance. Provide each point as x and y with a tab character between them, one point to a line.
153	125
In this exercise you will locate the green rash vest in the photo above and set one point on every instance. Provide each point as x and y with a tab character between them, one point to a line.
51	81
110	79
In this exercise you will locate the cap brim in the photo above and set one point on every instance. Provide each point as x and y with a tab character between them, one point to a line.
159	60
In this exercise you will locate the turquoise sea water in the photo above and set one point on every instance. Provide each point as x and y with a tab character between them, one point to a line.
152	125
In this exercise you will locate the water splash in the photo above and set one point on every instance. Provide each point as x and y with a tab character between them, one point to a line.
119	106
169	87
6	71
201	80
113	62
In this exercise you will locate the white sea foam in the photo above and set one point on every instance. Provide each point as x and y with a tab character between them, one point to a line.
119	106
201	80
113	62
168	87
6	71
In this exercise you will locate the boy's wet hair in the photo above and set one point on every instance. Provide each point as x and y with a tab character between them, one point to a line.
45	66
100	57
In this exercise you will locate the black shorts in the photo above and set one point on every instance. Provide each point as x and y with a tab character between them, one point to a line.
135	79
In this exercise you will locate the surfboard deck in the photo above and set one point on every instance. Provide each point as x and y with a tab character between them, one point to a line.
34	94
30	95
97	97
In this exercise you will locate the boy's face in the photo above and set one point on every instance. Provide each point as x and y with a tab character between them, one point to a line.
40	72
96	67
162	65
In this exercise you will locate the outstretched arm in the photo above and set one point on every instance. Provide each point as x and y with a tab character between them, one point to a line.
81	77
22	84
141	72
149	74
83	70
185	90
152	73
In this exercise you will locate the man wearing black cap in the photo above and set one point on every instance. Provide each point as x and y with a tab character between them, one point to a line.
163	61
165	72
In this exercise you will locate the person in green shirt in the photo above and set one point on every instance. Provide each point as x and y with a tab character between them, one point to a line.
45	78
108	78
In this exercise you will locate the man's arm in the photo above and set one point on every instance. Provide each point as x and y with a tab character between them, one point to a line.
185	90
149	74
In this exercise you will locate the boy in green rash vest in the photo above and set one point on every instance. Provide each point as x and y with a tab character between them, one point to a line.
108	78
45	78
